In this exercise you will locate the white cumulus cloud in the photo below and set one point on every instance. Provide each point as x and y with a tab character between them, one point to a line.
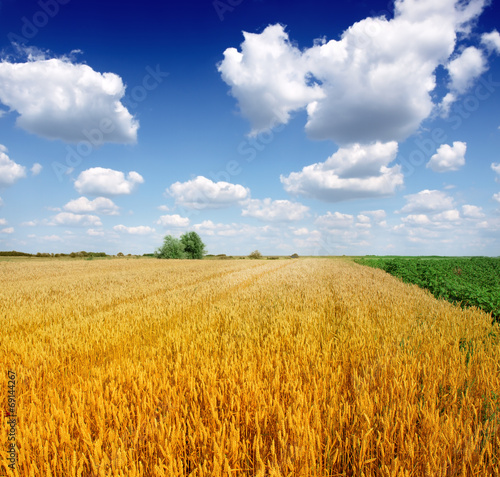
354	172
274	210
58	99
139	230
10	171
36	169
8	230
174	220
99	181
496	196
427	201
496	168
465	68
472	211
75	220
491	40
100	205
448	158
202	193
3	222
337	220
374	83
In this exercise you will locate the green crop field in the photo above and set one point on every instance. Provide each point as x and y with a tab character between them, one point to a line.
468	281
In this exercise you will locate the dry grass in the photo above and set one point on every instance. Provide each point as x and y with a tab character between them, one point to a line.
309	367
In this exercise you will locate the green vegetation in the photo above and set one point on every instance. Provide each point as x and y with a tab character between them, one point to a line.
255	255
189	245
473	281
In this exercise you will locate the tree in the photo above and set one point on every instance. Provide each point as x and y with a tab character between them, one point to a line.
255	254
193	245
171	248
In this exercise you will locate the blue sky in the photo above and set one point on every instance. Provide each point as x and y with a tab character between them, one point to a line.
366	128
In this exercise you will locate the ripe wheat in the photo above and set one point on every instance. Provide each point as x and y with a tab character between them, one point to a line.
311	367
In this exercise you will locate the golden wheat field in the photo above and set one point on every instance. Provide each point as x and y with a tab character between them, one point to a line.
309	367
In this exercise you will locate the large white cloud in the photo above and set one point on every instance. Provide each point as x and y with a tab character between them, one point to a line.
10	171
353	172
268	77
100	205
427	201
448	158
99	181
274	210
75	220
202	193
139	230
174	220
374	83
57	99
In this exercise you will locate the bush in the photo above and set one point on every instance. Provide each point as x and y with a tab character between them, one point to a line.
255	255
294	256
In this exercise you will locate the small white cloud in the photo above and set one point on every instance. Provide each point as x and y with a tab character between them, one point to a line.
95	233
140	230
3	222
491	41
496	168
75	220
427	201
465	68
300	232
36	169
100	205
354	172
163	208
202	193
174	220
452	215
363	219
10	171
448	158
377	215
496	196
8	230
1	202
274	210
472	211
57	99
30	223
51	238
337	220
99	181
416	219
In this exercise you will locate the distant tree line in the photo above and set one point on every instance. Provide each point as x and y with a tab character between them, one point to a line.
81	254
